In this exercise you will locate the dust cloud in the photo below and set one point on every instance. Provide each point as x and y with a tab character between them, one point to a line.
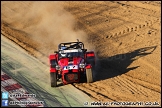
46	22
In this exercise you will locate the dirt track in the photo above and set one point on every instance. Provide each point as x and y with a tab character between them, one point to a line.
125	36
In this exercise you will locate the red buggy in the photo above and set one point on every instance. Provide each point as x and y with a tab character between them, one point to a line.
71	63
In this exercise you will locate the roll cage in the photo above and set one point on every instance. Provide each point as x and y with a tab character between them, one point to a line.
70	45
70	49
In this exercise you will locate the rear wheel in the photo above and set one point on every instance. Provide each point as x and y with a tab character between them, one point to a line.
53	79
89	75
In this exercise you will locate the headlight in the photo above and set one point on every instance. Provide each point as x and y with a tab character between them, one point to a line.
81	65
58	67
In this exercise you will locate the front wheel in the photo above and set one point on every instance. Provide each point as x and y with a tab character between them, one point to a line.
53	79
89	75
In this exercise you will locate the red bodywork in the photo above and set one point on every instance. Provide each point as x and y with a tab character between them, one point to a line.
69	67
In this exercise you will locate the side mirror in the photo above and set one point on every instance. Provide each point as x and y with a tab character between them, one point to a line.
85	50
55	51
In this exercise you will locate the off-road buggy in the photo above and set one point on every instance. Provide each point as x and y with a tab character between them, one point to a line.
72	63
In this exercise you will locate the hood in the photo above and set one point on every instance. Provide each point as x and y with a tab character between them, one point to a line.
73	63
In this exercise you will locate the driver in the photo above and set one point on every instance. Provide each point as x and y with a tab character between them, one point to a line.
63	47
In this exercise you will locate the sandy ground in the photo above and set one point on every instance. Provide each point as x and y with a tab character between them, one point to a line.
124	35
